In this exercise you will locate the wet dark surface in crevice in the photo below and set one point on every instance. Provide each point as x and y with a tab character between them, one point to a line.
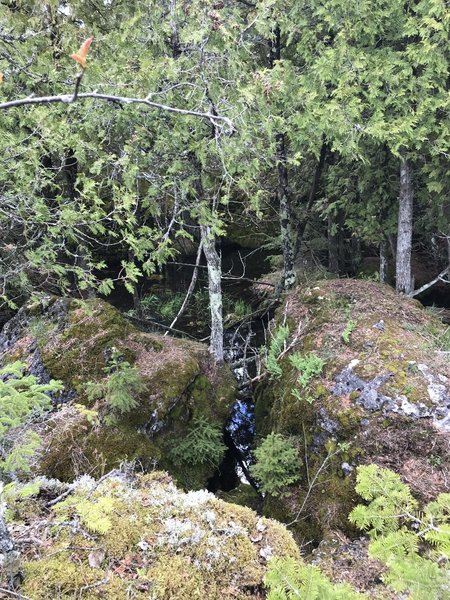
240	342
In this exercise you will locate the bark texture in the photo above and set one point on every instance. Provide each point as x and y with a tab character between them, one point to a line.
403	277
287	228
384	260
213	262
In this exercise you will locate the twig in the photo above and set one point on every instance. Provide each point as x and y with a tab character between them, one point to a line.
61	496
94	585
70	98
155	323
311	486
431	283
14	594
191	287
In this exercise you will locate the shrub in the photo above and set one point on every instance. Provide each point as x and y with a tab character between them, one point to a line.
21	396
122	387
203	444
277	464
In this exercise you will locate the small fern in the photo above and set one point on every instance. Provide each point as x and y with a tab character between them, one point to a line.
276	347
287	579
350	326
308	365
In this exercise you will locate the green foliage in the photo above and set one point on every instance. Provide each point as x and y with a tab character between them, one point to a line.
276	346
413	544
91	415
387	495
277	464
286	579
237	308
93	514
203	444
349	327
167	305
18	460
21	397
308	365
121	389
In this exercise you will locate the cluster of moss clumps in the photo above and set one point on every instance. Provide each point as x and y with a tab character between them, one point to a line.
117	538
178	383
379	333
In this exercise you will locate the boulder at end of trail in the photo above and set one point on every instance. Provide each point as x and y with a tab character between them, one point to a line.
365	379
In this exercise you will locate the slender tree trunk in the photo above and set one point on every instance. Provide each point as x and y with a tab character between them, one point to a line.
287	228
403	276
384	259
333	245
213	262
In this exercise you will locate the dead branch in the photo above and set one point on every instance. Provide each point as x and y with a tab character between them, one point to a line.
425	287
70	98
191	288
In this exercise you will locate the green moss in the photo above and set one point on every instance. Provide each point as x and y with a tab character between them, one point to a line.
75	339
84	448
178	579
159	542
76	355
244	495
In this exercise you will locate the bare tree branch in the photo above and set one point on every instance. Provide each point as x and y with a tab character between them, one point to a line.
191	287
70	98
439	277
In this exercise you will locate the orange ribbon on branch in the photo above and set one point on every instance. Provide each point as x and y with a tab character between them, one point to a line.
81	55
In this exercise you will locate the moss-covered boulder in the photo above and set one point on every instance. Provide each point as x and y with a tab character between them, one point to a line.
122	537
382	396
172	383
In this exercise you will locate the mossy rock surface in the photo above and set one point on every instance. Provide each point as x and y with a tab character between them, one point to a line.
143	538
383	396
73	341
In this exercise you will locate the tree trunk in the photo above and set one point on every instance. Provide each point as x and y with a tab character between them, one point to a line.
287	229
403	276
384	260
213	262
333	245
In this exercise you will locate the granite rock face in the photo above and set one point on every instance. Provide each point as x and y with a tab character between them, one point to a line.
383	397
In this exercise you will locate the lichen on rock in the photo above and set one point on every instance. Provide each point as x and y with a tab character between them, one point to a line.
141	537
383	397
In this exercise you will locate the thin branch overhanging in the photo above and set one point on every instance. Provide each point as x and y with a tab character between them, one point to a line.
76	95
